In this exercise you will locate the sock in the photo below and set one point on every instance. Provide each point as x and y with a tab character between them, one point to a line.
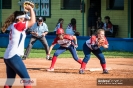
28	86
7	86
103	66
83	65
79	61
53	61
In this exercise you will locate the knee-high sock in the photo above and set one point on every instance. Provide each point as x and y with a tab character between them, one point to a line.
83	65
103	66
53	61
79	61
7	86
28	86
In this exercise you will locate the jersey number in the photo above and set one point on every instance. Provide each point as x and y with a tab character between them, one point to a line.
10	35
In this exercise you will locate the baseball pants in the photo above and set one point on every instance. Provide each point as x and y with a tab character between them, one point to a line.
32	41
15	66
98	53
71	48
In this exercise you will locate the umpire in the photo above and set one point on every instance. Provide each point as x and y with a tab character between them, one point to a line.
39	30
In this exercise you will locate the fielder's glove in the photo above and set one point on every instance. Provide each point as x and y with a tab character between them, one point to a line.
25	3
101	42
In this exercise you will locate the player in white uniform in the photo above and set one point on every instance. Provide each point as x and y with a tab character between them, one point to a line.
71	28
58	25
12	59
21	50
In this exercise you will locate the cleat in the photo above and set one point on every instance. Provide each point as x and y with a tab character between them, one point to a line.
50	69
81	71
105	71
23	57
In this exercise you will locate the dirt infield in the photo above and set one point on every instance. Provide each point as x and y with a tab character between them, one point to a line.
66	73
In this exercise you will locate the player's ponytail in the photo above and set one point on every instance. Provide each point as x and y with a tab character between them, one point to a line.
11	19
73	21
8	21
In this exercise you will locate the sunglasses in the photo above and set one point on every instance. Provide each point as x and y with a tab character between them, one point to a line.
40	20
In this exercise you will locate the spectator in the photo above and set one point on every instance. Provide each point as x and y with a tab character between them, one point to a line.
39	30
99	23
108	27
71	28
58	25
92	17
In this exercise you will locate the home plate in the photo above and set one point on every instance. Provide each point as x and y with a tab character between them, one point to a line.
98	69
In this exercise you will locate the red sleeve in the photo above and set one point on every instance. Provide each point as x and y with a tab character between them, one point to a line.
93	39
55	41
20	26
106	42
69	37
109	25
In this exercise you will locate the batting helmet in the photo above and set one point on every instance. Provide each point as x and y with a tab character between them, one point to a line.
60	31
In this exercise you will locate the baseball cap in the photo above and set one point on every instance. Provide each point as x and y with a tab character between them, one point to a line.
40	18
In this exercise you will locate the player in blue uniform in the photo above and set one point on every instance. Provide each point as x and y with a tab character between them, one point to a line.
93	45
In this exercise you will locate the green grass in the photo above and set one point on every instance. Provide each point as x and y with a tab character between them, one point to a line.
40	53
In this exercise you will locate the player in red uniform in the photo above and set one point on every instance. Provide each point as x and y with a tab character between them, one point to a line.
93	45
66	42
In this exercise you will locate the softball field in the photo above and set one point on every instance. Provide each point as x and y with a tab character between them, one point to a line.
66	72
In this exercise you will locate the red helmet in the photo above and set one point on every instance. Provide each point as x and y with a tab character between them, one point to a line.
60	31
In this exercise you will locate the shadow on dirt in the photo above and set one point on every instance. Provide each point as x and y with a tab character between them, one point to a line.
126	64
67	71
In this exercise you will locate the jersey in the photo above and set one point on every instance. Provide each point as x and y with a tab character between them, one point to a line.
16	40
94	41
40	29
70	29
106	26
66	42
59	25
